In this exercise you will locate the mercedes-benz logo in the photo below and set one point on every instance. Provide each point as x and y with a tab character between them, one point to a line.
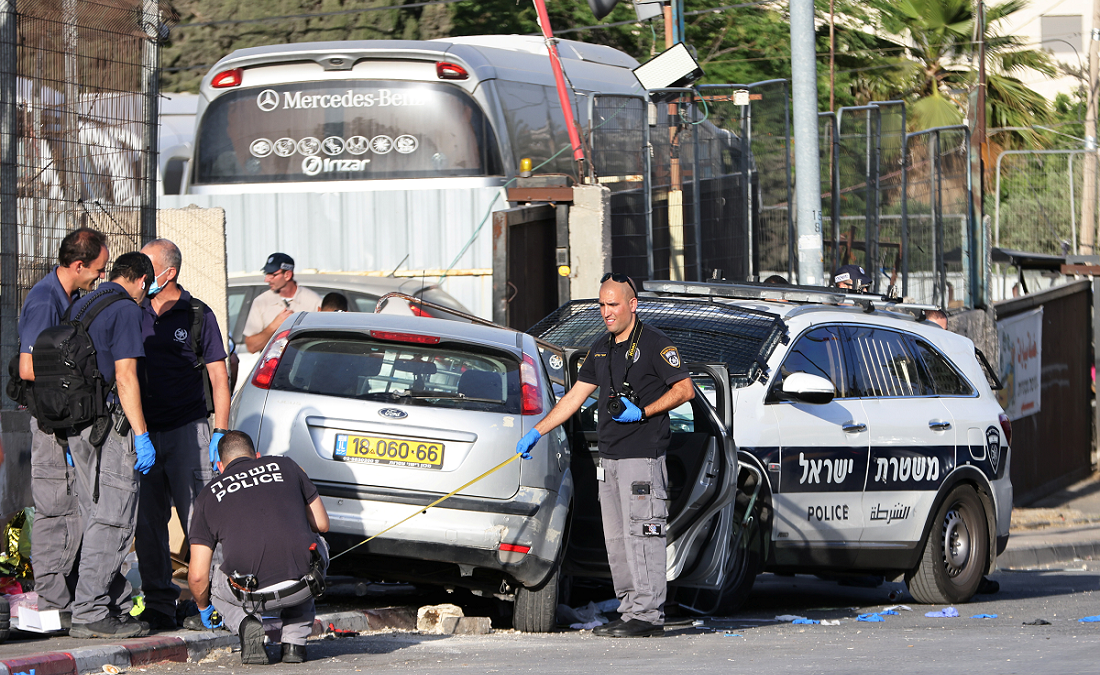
311	166
268	100
393	413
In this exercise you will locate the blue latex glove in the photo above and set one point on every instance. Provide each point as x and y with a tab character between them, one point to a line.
210	618
146	455
214	439
630	413
68	456
523	448
871	618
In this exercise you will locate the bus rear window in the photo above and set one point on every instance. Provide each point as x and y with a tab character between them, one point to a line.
351	130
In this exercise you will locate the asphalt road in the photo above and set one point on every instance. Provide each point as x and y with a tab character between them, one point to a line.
907	643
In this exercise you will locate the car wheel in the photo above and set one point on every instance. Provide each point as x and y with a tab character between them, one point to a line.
955	553
534	609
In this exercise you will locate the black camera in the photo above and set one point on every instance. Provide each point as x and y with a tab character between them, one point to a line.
615	404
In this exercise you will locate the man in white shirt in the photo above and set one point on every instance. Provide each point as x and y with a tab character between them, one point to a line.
273	306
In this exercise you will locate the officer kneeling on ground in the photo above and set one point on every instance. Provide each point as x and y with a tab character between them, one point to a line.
267	516
640	377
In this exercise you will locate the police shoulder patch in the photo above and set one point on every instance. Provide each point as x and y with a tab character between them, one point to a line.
672	356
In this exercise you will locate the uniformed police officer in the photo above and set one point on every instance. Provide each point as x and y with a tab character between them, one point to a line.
82	260
106	477
638	371
174	401
267	516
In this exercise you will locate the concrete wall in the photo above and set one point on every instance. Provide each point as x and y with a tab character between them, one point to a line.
589	239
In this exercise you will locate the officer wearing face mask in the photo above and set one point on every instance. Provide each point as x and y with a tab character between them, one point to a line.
184	380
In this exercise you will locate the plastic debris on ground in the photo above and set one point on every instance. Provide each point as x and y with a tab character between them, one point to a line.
588	617
945	613
787	618
891	608
984	616
1089	619
870	618
17	600
806	621
889	612
1037	622
830	622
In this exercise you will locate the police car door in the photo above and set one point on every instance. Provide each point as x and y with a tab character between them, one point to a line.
912	438
823	456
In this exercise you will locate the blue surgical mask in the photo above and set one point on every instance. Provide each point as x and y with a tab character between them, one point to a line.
156	287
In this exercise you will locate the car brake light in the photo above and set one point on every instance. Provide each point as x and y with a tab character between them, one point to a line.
1006	426
516	548
405	337
227	78
269	362
445	70
531	392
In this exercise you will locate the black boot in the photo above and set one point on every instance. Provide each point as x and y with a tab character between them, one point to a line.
294	653
251	632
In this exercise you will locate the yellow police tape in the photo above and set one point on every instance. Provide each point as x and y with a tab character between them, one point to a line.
450	494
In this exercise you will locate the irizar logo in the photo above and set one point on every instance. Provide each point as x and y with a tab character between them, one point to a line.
269	100
311	166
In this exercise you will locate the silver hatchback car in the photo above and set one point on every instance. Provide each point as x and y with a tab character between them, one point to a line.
386	413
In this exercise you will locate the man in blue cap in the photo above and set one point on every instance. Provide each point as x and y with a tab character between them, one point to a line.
272	307
852	278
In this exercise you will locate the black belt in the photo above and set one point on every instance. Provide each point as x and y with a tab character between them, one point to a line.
268	596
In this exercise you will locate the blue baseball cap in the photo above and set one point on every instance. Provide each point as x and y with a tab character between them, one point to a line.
278	261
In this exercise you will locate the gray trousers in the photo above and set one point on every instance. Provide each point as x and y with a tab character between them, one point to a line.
101	589
634	506
297	612
181	471
57	528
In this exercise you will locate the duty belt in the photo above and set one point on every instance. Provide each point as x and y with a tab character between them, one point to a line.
245	595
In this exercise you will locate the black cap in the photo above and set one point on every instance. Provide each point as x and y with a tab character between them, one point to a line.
278	261
852	273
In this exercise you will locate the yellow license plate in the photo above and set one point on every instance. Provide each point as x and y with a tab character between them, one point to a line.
380	450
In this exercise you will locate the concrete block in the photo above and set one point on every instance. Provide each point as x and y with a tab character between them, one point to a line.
589	239
430	617
200	644
473	625
50	663
144	651
447	625
392	618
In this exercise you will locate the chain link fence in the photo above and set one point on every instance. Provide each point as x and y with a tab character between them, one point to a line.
77	133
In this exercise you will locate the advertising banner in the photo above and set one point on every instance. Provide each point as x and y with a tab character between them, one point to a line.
1021	338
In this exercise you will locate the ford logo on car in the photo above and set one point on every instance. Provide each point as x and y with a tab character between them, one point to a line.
393	413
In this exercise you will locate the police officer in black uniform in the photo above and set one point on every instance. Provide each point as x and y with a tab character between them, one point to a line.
267	516
640	378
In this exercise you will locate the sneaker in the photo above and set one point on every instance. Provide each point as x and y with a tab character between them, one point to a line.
194	622
636	628
112	628
294	653
251	632
157	619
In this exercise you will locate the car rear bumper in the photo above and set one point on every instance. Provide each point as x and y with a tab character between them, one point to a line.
463	533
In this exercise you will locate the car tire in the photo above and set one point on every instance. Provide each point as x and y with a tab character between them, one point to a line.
956	551
535	609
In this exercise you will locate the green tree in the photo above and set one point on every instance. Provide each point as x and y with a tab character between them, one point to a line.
939	37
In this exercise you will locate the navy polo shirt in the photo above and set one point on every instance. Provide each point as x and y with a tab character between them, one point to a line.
116	332
44	307
172	392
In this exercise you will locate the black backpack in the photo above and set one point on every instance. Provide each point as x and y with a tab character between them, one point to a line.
69	391
197	309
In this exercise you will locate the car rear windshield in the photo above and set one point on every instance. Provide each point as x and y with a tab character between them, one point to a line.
445	375
350	130
704	332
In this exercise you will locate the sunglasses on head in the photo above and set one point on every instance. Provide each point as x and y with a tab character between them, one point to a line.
620	278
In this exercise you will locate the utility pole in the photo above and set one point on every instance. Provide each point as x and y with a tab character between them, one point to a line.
806	160
1088	199
673	12
832	55
979	116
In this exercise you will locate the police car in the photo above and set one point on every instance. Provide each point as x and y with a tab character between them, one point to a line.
868	440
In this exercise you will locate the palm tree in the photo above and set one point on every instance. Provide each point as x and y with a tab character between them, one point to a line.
940	39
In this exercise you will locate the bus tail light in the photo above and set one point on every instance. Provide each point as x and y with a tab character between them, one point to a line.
445	70
269	362
531	391
227	78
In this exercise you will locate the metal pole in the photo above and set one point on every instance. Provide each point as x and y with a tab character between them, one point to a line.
904	205
72	190
150	89
559	80
806	158
9	176
1088	201
1072	210
647	191
792	254
939	273
696	198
